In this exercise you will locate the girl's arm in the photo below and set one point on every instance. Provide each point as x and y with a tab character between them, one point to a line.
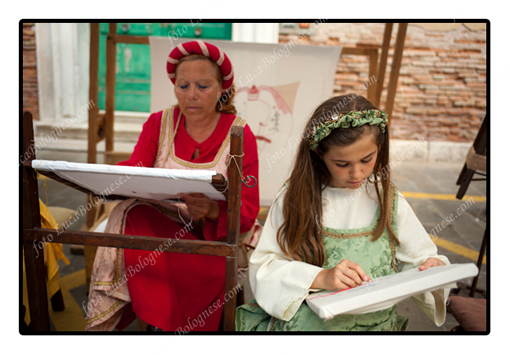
418	250
431	262
279	283
416	245
344	275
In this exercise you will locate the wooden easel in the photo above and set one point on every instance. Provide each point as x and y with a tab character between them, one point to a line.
377	68
32	232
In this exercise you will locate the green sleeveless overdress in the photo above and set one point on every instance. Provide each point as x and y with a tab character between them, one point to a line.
377	259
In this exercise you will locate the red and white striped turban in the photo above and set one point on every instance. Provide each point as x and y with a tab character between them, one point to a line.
207	50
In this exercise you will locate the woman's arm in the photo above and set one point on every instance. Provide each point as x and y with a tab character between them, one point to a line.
201	206
146	148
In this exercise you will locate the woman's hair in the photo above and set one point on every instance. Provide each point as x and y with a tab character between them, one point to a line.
300	235
225	101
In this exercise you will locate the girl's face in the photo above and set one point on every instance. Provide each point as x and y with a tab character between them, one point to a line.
349	166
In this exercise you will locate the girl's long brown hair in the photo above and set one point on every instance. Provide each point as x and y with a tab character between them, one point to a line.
300	235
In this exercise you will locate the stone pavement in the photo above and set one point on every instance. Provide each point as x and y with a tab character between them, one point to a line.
430	188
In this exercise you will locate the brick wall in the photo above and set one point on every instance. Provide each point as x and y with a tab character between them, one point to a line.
30	97
441	93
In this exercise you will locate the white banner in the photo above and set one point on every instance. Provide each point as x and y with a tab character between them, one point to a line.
278	86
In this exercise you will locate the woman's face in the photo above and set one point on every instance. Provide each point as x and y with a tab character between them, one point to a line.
349	166
197	88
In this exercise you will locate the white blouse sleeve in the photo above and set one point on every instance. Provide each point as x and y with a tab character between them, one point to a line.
416	246
279	283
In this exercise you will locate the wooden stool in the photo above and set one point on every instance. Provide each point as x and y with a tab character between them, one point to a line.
475	162
471	313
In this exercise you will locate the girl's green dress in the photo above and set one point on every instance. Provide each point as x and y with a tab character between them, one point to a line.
377	259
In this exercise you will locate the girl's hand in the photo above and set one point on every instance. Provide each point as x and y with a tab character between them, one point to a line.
200	206
430	262
344	275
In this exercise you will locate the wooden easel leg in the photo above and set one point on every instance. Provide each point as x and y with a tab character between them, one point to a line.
382	63
466	175
33	251
234	217
479	264
462	173
395	68
57	302
465	178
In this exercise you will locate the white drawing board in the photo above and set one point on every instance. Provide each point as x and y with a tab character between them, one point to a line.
387	291
129	181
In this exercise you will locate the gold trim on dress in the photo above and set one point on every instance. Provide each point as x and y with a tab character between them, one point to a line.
391	195
106	312
393	257
237	122
393	201
347	235
171	134
162	133
272	324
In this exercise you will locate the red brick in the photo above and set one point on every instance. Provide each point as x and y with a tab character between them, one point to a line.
456	112
442	83
435	111
30	92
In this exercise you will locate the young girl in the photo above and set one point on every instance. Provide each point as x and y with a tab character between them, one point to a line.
337	222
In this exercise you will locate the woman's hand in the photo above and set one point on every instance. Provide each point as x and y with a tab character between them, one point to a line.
430	262
200	206
344	275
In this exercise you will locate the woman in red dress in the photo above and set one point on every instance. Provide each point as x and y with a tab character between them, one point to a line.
173	291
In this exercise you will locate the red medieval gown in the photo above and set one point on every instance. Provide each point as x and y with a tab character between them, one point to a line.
173	292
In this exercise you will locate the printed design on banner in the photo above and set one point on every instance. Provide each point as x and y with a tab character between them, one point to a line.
269	109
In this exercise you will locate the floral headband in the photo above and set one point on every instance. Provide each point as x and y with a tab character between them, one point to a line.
348	120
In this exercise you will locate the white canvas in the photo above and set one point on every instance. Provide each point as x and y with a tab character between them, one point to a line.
130	181
387	291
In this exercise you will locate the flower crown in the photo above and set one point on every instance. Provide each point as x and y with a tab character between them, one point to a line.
348	120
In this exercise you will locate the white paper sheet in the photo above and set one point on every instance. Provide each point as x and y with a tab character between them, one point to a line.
387	291
150	183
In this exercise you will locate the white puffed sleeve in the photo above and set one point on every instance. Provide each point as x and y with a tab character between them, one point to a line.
416	246
279	284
